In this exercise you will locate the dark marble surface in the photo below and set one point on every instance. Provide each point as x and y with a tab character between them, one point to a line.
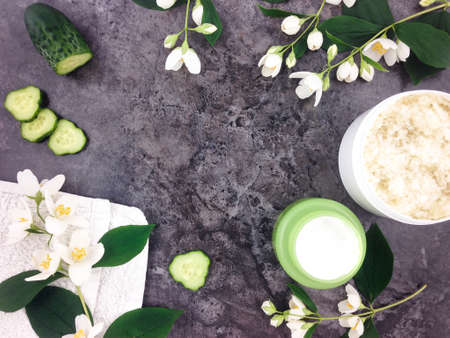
213	159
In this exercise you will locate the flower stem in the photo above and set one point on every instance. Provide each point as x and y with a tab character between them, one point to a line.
83	303
38	203
384	30
370	313
186	19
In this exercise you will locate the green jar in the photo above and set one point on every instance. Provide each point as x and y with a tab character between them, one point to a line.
320	243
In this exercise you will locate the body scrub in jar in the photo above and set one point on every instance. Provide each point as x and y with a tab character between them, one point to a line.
320	243
394	160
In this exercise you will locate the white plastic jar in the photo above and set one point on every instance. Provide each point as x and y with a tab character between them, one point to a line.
352	168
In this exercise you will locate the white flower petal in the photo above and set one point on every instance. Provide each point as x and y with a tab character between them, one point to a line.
314	40
79	273
403	51
378	47
82	322
192	61
174	60
262	60
28	182
96	330
343	71
303	92
55	226
80	239
54	185
353	75
49	203
291	25
39	276
78	221
64	252
96	253
349	3
345	307
357	329
295	303
333	2
390	57
300	75
197	14
368	75
165	4
318	97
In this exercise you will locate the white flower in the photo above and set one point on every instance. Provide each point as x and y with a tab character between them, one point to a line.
348	3
84	328
379	47
297	330
348	72
268	307
30	186
62	214
291	25
426	3
315	39
297	308
176	59
197	13
80	255
353	301
46	262
367	74
396	55
355	324
271	64
21	219
311	83
165	4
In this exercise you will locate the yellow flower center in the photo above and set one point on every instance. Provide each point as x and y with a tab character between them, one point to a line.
79	334
61	210
78	254
378	47
350	306
46	262
22	220
356	324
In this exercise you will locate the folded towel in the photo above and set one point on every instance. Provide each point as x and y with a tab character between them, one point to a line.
109	293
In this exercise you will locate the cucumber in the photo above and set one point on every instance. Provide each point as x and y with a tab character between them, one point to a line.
190	269
41	127
67	138
24	103
56	38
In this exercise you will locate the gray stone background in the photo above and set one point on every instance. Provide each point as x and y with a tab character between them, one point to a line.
213	159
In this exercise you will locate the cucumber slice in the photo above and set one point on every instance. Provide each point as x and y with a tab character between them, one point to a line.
41	127
67	138
24	103
190	269
56	38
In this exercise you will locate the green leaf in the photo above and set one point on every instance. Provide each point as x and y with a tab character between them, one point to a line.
374	64
301	47
149	322
124	243
275	1
310	332
278	13
210	16
375	11
303	296
376	271
429	44
337	41
52	312
151	4
417	70
370	331
351	30
15	292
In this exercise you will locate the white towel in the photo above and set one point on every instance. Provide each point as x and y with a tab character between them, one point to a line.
109	293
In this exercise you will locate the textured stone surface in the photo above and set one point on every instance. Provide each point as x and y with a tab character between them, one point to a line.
213	159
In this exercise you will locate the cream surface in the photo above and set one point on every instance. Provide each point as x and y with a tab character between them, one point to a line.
328	248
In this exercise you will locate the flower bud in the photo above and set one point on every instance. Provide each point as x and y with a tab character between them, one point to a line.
426	3
197	13
274	49
291	60
325	87
291	25
171	40
165	4
315	39
332	52
277	320
268	307
367	73
206	28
